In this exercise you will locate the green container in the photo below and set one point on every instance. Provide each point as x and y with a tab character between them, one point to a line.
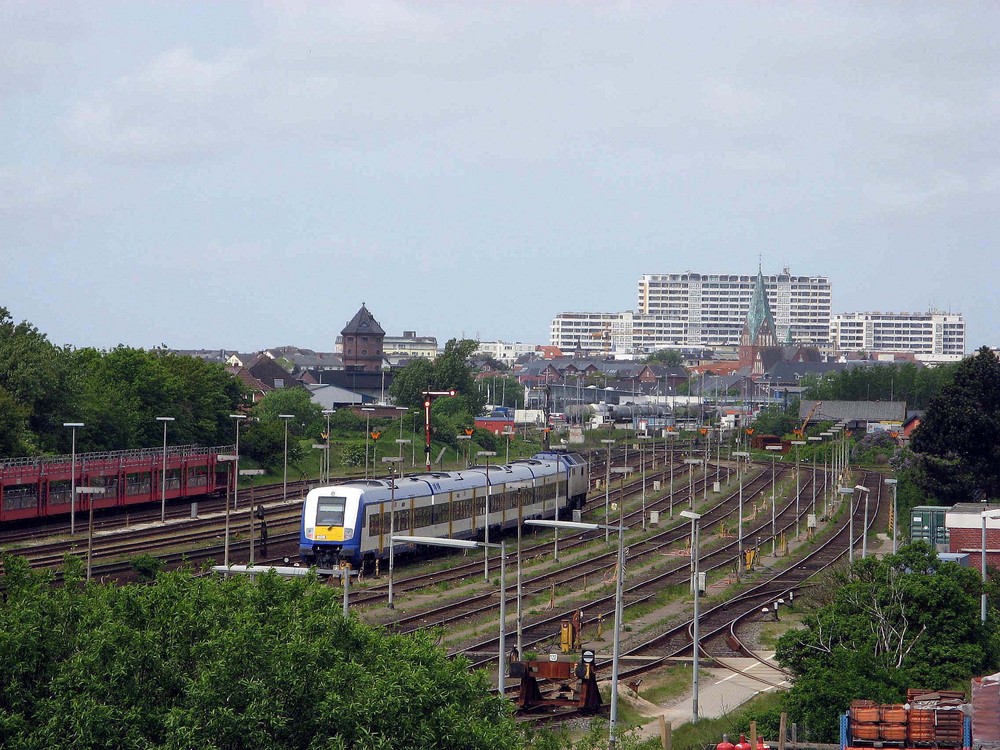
927	525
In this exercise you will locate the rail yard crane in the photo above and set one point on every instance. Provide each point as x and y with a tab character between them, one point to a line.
801	431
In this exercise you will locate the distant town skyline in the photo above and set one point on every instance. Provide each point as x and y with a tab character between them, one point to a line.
240	174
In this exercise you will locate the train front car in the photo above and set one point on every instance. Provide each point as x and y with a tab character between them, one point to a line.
331	530
575	471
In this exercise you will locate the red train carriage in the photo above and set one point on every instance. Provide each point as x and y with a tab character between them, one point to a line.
40	486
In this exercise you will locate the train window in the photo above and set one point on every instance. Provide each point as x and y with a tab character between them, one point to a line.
330	510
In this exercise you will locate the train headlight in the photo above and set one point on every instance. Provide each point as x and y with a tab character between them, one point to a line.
310	532
348	532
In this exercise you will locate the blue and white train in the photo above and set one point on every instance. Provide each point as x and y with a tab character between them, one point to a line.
350	522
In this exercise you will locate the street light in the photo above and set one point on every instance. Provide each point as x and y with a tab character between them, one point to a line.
864	527
236	470
325	470
827	490
692	462
469	544
814	439
399	441
284	475
392	461
642	462
467	440
225	545
163	470
251	473
672	434
607	485
892	483
739	534
367	410
850	522
797	443
774	455
992	514
619	584
696	585
90	522
72	479
486	527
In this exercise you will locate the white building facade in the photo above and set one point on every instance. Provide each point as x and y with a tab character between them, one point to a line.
504	351
932	336
713	307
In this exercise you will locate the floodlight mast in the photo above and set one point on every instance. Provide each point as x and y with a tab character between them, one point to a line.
429	397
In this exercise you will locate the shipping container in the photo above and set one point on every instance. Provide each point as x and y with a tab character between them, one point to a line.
927	524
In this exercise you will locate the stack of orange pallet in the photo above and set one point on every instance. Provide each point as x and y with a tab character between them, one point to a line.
872	723
927	720
936	718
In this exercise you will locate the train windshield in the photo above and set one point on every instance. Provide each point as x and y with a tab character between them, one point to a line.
330	511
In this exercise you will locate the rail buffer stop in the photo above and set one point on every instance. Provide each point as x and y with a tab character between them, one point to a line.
586	697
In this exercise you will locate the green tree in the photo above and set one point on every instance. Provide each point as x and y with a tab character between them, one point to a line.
667	357
38	378
958	440
905	382
185	662
775	420
890	623
451	370
267	436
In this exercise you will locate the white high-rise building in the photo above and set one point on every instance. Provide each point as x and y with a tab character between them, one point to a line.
616	333
692	310
932	336
713	307
504	351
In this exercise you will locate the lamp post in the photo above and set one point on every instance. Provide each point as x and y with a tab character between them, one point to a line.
671	433
163	470
469	544
486	525
225	544
708	448
284	474
739	533
642	463
991	514
691	462
251	473
507	433
849	491
90	522
413	445
895	524
864	525
236	466
619	585
607	485
696	587
368	412
827	490
797	443
774	455
399	441
814	439
392	461
72	478
465	439
325	469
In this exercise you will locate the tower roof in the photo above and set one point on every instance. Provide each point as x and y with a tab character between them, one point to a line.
363	323
759	314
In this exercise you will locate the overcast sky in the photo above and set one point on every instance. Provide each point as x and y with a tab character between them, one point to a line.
244	175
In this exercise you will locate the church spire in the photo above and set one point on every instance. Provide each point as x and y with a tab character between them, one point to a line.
760	321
